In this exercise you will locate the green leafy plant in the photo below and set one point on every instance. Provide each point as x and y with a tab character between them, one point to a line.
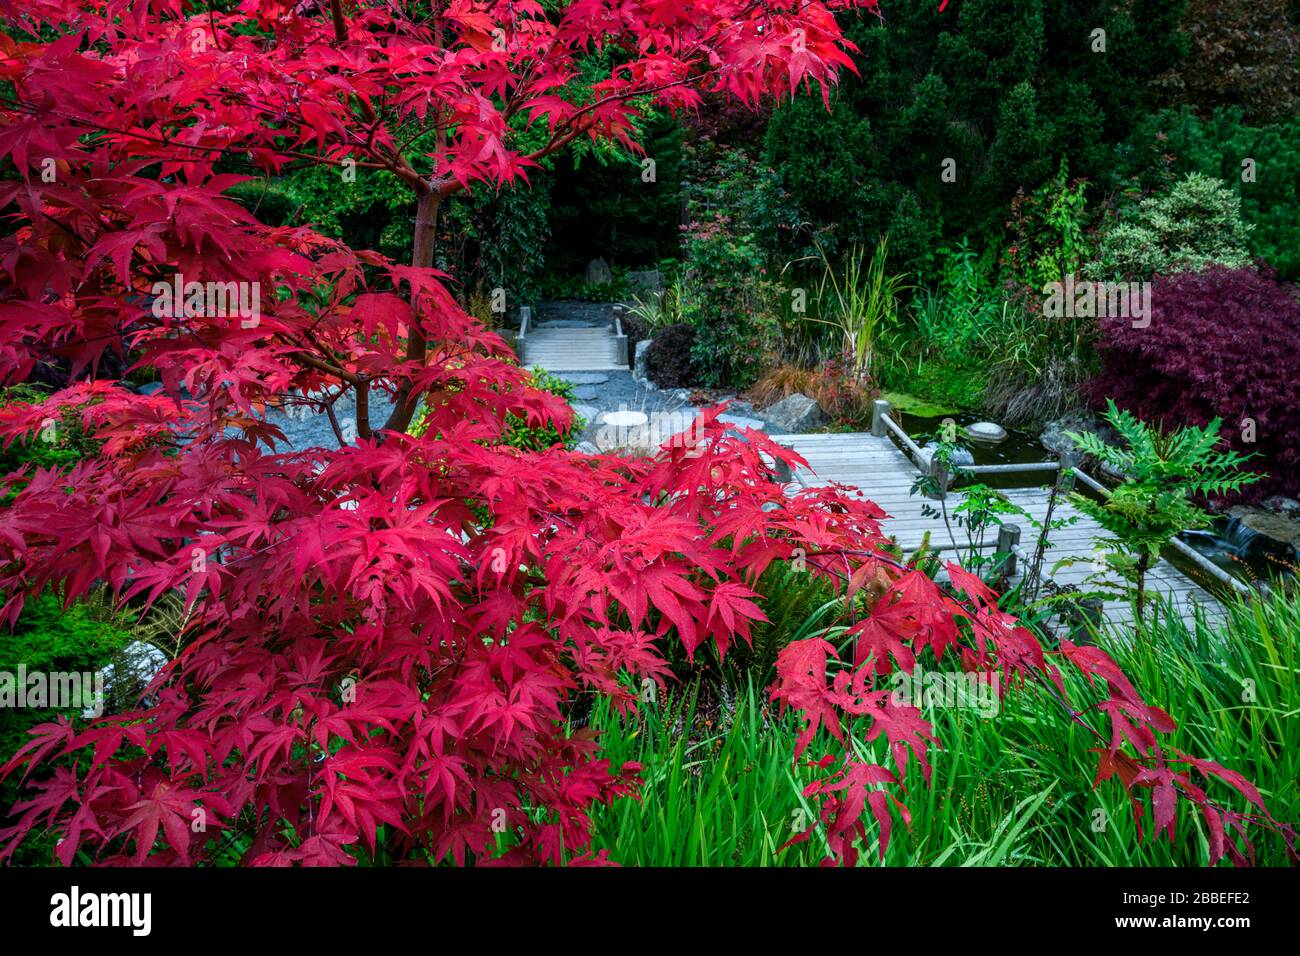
732	304
858	300
518	433
718	792
1162	471
662	309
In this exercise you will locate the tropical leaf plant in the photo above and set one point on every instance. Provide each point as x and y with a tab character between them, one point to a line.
1163	471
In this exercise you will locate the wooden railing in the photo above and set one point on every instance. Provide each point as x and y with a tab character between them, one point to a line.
882	424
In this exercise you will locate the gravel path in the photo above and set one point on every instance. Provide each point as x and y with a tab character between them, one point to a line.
595	393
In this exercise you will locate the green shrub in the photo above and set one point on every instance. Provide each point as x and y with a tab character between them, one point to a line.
63	443
728	299
1197	223
519	434
1219	146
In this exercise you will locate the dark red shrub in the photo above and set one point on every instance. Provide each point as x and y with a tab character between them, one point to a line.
1226	343
668	359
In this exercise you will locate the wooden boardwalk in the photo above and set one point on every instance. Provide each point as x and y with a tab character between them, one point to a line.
885	474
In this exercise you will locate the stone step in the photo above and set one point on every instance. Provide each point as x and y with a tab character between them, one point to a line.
570	349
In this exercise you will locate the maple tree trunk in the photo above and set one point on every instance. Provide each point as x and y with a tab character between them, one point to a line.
423	246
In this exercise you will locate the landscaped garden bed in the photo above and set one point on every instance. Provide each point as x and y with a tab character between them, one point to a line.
400	402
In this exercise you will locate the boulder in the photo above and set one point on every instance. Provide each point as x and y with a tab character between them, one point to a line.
987	431
1054	439
961	457
599	273
639	371
795	413
741	421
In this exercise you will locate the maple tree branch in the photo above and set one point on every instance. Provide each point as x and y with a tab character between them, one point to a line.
363	408
320	365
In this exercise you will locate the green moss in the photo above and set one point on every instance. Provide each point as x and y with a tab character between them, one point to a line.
915	405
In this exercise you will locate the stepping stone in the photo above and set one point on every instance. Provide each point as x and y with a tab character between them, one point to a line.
584	378
624	419
986	431
589	412
586	392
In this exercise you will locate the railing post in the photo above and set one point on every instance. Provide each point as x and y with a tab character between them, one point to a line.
1089	619
1008	541
879	412
1069	460
939	473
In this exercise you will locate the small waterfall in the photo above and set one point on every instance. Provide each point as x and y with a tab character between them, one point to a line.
1233	542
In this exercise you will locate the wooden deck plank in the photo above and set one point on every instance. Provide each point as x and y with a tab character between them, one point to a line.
885	474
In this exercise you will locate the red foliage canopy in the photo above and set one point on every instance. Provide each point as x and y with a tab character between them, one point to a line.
383	636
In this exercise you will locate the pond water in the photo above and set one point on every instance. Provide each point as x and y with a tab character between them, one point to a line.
1019	447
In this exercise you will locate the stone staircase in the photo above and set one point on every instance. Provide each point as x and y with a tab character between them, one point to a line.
562	345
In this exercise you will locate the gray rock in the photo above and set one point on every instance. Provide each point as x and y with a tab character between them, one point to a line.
740	421
743	409
586	412
961	457
987	431
1054	439
795	413
584	378
586	448
586	393
599	272
639	369
1288	506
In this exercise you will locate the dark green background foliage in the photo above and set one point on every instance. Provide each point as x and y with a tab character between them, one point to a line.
601	208
48	638
1004	87
1216	146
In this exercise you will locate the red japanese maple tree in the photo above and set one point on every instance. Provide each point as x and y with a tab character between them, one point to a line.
383	636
